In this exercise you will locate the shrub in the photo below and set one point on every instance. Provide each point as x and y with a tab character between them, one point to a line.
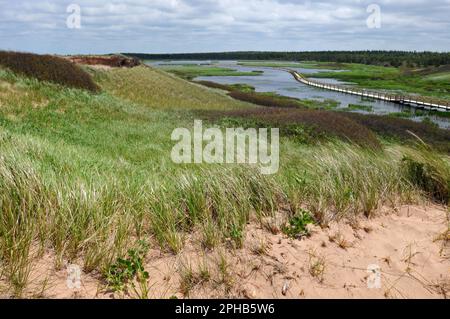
401	129
265	100
48	68
303	124
214	85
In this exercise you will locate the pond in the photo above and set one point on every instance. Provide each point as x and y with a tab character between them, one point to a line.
281	82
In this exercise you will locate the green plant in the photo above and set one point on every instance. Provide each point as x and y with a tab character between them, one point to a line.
191	278
297	225
191	71
359	107
125	272
237	236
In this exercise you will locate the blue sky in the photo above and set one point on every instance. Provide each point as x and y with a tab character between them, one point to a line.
157	26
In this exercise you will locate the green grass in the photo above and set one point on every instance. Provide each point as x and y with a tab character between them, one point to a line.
421	113
392	79
157	89
444	76
190	72
300	64
403	114
89	176
358	107
327	104
270	64
247	93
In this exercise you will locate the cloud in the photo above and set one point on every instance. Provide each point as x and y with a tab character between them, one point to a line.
216	25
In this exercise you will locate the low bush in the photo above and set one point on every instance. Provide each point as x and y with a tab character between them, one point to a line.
306	125
401	129
265	100
214	85
48	68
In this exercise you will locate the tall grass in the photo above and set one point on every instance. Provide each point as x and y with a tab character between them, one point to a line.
341	180
86	176
428	171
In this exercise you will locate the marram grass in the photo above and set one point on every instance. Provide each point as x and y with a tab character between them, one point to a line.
86	176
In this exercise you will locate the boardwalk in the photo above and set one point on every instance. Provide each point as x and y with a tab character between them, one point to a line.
415	101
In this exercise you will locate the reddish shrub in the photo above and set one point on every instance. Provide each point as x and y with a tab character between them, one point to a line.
317	124
48	68
401	129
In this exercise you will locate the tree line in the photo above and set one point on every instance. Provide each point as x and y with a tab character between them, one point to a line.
387	58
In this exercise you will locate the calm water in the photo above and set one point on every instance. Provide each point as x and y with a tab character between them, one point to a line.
281	82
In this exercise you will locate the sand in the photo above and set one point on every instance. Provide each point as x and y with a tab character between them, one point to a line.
401	253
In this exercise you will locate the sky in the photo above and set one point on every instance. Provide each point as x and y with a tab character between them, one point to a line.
175	26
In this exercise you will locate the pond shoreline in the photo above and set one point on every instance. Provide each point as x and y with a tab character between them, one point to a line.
276	80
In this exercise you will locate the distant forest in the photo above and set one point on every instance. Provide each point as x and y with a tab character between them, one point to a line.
388	58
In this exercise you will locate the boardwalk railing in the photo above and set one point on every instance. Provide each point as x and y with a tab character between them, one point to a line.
415	101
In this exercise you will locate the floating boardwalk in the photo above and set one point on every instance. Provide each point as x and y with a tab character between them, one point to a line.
415	101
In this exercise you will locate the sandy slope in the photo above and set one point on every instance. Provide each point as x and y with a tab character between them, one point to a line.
407	244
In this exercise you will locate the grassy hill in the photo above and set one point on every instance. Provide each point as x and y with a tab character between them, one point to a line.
157	89
88	175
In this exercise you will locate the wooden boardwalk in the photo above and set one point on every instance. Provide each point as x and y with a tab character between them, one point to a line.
414	101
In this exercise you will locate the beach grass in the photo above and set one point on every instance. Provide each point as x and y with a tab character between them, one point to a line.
88	176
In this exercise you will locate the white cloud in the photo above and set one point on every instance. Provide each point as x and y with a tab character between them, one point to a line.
212	25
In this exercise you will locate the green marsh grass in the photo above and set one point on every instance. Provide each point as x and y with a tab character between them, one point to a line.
393	79
190	72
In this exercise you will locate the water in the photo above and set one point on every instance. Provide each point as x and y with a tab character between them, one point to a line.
283	83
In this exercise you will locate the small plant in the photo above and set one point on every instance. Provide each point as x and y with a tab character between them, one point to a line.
297	225
317	266
191	278
188	281
225	276
237	236
260	248
124	272
340	240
